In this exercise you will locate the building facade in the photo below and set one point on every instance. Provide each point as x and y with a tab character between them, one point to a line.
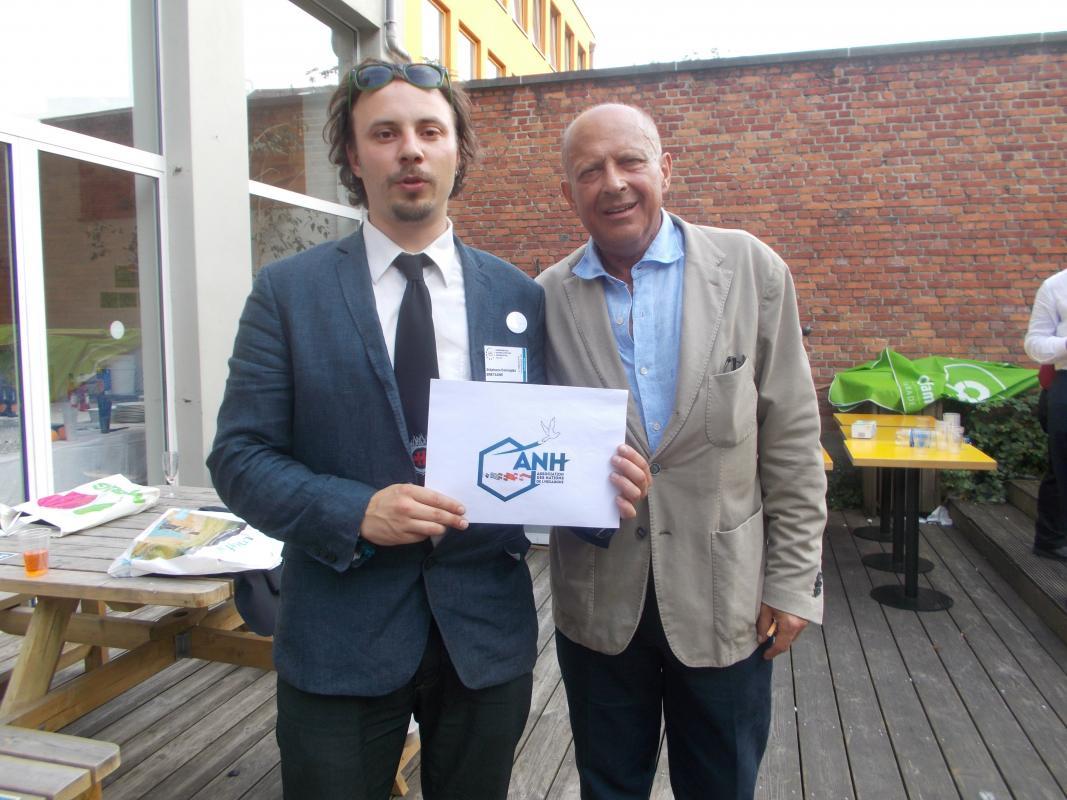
484	39
152	169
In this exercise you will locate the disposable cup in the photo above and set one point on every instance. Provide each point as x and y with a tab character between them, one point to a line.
941	435
922	437
955	438
33	544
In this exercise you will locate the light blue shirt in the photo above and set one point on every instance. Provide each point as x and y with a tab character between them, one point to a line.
648	324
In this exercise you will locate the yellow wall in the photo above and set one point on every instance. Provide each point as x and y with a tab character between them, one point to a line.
491	23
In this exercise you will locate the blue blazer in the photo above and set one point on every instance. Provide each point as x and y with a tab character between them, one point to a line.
311	426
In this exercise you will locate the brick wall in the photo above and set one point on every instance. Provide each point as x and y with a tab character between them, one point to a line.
918	194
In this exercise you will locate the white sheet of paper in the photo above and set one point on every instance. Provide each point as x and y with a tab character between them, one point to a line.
525	453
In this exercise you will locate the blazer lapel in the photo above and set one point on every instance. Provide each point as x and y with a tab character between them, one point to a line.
479	306
705	289
589	311
353	273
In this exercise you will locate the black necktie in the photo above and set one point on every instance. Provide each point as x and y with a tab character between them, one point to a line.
415	354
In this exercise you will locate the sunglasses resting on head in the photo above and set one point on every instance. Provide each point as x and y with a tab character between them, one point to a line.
369	77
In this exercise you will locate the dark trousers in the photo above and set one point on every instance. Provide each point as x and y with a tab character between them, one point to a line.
717	720
348	748
1050	529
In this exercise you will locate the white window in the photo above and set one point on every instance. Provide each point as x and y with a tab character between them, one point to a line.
553	42
466	57
539	24
104	85
291	71
433	33
80	309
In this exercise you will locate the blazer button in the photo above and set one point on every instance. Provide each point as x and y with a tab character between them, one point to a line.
641	532
428	562
654	468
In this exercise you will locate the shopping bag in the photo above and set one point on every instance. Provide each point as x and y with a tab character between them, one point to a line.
186	542
92	503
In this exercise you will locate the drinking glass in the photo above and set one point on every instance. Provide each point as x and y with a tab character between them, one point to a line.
170	470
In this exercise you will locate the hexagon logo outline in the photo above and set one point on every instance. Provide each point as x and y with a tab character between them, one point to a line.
482	469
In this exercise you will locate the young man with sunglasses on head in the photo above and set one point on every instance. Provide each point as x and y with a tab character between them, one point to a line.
391	603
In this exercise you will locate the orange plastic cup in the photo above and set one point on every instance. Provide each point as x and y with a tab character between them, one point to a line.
33	544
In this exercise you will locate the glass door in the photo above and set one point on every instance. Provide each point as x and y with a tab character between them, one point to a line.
12	460
101	286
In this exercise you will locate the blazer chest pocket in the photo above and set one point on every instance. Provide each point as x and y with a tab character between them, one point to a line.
730	416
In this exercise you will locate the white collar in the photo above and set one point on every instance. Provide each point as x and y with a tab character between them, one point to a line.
382	251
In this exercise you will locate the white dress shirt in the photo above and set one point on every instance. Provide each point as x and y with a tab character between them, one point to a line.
445	283
1046	339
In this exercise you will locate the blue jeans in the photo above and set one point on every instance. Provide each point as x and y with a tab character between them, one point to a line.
717	719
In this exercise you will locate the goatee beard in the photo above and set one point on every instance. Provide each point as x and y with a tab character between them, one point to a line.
413	212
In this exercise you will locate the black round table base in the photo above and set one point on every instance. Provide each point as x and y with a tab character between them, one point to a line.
884	563
926	599
873	533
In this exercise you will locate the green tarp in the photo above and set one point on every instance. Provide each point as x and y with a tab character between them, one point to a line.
72	353
900	384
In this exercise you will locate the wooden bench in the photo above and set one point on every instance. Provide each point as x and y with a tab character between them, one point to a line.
40	764
411	746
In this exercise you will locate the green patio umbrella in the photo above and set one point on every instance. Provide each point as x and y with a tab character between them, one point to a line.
907	386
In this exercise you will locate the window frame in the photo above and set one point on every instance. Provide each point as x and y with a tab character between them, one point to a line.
537	30
27	140
444	30
498	64
554	39
475	53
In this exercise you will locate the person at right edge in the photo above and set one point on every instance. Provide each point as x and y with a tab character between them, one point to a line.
1046	343
678	613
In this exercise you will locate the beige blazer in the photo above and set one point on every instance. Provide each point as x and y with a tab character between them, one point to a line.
736	512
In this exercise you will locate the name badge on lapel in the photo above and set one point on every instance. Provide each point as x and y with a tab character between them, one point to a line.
505	364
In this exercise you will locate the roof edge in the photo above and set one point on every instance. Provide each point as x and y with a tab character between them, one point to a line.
837	54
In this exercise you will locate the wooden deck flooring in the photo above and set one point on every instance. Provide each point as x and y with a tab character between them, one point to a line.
876	703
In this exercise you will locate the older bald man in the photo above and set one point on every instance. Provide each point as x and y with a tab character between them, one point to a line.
679	612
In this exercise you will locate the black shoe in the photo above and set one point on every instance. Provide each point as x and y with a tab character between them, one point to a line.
1055	553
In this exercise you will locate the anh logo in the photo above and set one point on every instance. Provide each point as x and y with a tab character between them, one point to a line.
507	469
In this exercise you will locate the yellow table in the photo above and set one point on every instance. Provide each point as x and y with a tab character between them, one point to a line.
880	453
888	420
888	424
881	434
905	463
827	462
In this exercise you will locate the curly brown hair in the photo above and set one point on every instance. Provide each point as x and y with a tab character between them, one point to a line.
339	133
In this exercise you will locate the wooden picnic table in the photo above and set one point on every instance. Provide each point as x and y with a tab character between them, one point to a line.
203	622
